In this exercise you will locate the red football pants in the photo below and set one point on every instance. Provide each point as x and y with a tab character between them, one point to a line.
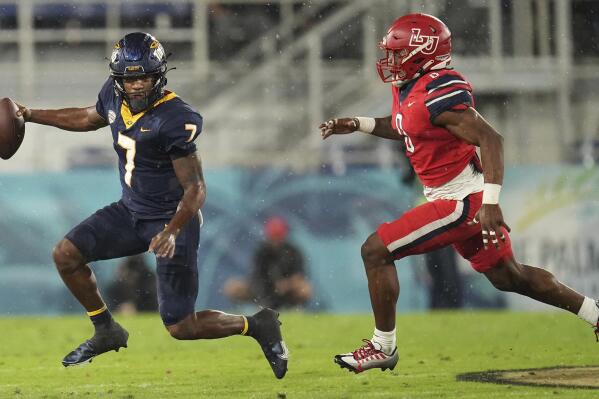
440	223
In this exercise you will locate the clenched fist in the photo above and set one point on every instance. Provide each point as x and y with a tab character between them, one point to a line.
338	126
23	111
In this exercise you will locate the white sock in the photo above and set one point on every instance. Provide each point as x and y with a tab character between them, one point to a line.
386	339
589	311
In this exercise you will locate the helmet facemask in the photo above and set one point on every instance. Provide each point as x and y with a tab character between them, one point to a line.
150	96
391	68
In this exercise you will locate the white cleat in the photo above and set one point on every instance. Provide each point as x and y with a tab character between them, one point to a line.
369	356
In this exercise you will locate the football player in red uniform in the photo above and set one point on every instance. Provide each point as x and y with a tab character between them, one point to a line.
433	112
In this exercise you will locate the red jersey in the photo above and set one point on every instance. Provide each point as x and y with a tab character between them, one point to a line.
436	154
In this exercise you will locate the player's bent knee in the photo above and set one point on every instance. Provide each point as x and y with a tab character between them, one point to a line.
67	257
374	251
502	284
176	332
510	276
180	331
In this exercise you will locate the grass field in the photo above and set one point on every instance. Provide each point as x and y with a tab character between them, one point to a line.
434	348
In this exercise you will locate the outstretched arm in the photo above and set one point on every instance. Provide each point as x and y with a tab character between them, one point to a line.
73	119
471	127
380	127
189	173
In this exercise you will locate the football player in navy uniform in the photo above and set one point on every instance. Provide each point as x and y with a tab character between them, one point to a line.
163	189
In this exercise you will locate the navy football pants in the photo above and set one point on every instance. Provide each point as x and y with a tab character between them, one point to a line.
113	232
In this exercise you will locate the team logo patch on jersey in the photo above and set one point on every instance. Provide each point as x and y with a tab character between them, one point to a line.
111	116
429	42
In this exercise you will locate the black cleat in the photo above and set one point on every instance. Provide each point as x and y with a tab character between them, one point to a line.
267	332
105	339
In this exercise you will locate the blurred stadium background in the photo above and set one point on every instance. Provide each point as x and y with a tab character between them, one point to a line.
264	75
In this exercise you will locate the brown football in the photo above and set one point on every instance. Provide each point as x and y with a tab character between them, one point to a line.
12	128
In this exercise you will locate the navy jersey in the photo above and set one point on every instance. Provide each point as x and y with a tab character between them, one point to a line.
146	143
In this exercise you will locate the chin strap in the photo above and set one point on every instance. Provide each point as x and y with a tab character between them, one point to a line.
423	70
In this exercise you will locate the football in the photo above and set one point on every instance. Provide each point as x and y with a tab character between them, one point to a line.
12	128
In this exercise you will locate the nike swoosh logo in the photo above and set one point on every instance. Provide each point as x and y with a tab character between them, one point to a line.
144	130
409	105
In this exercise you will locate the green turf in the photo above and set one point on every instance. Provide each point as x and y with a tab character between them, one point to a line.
434	347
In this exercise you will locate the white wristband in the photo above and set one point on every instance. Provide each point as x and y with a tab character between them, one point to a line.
366	124
491	193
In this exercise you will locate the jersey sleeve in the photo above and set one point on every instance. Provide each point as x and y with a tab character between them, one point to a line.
104	98
448	92
180	132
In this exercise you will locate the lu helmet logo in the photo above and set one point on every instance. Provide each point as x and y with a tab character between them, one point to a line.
428	43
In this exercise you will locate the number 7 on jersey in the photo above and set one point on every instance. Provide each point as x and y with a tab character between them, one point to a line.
129	145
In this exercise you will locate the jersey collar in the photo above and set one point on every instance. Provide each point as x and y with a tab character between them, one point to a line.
405	89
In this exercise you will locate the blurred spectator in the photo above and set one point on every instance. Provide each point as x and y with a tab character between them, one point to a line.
278	278
134	288
445	290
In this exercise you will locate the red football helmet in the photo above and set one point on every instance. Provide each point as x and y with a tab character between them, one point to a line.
413	45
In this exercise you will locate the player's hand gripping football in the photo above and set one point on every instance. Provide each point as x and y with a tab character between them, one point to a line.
338	126
491	221
23	111
163	244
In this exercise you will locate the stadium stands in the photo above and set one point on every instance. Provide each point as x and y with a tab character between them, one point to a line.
275	69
